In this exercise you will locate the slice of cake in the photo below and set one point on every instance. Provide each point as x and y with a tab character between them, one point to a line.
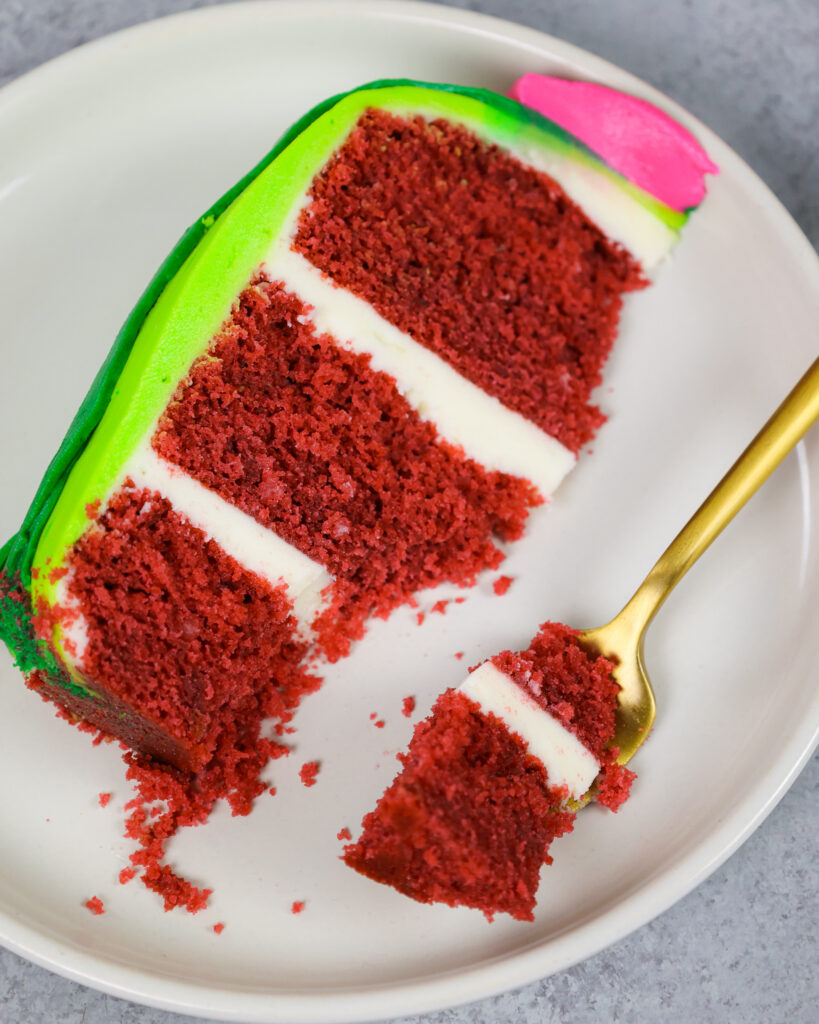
358	371
493	775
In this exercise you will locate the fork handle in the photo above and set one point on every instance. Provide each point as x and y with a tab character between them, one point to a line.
791	421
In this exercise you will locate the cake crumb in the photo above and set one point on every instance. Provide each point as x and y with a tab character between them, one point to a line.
440	606
344	833
502	584
272	791
380	723
95	905
298	906
459	600
126	875
408	706
92	509
104	799
459	655
373	715
613	785
219	928
56	574
308	773
420	618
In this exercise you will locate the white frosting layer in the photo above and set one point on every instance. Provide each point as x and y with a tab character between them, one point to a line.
252	545
463	414
567	762
74	634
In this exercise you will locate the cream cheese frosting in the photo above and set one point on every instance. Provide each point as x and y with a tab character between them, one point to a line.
239	535
567	761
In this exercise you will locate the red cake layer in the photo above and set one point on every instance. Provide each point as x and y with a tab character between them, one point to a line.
469	819
192	645
480	258
305	437
572	682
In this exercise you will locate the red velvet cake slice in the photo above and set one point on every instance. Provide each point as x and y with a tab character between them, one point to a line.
353	377
490	778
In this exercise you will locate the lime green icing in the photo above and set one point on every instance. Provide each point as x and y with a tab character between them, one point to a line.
193	291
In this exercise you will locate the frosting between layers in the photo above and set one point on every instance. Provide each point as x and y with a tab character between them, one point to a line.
252	545
567	762
464	415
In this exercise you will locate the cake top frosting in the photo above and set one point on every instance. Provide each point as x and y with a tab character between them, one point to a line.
634	137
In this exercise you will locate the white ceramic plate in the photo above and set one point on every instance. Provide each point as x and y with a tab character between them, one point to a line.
108	153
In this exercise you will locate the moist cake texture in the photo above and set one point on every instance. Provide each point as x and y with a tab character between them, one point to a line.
469	819
352	378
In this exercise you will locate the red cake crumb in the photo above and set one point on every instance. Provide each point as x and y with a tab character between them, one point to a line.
362	485
614	785
182	798
380	723
373	715
408	706
219	928
440	607
419	618
308	773
483	260
502	584
345	834
459	600
272	791
104	799
92	509
56	574
95	905
459	655
297	907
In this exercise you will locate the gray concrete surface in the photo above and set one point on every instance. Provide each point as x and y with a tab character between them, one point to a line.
743	946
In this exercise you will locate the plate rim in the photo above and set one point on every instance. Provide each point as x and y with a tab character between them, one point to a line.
519	967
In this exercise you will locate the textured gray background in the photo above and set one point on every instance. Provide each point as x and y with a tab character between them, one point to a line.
742	947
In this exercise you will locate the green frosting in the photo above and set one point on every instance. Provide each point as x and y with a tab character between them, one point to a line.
191	295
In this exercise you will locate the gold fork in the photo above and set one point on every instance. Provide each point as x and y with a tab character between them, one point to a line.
621	640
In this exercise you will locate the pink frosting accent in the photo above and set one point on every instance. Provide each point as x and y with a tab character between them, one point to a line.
634	137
